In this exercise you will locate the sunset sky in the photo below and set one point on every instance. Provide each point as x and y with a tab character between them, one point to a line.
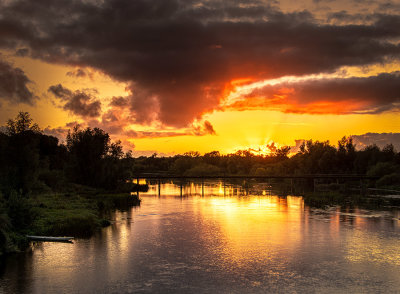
171	76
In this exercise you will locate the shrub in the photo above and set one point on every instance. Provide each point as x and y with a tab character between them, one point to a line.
389	180
20	211
203	169
382	168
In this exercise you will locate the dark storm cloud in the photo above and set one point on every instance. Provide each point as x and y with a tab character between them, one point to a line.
373	94
22	52
178	56
14	84
343	17
81	103
78	73
119	101
389	6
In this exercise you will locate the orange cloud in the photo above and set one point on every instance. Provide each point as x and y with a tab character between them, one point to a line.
374	94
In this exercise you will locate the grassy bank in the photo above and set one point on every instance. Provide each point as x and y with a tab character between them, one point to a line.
79	213
74	215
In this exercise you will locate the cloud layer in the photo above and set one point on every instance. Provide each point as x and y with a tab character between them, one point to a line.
180	56
82	103
379	139
374	94
14	85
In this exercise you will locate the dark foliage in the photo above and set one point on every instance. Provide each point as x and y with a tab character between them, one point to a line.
33	163
312	158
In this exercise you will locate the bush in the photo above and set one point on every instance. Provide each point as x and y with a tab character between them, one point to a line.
67	224
4	232
383	168
54	179
389	180
20	211
203	169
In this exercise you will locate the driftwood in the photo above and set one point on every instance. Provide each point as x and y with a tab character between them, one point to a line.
49	239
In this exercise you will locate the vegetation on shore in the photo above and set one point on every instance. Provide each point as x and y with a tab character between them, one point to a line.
63	189
75	215
48	188
314	157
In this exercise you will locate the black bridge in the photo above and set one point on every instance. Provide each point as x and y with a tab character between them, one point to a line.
152	176
314	177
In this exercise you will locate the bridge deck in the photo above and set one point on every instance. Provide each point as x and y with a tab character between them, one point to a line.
326	176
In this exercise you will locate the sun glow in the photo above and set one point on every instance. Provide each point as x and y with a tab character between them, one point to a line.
260	150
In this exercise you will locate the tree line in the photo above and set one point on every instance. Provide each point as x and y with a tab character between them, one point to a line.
32	162
29	159
313	157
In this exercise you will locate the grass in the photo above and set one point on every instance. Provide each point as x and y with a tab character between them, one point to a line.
73	214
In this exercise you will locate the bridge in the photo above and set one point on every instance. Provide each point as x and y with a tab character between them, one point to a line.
153	176
314	177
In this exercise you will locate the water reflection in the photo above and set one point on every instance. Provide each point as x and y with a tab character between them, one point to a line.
206	187
228	238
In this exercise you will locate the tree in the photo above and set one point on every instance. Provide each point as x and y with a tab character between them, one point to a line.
23	122
95	160
282	153
212	157
192	154
87	148
115	150
346	154
388	153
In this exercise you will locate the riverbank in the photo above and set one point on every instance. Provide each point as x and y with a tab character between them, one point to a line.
75	215
78	213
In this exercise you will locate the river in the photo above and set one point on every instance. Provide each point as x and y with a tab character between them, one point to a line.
219	239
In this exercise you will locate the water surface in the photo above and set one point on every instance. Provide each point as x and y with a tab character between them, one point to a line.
228	241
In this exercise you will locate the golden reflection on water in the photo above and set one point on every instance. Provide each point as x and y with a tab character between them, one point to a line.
220	228
264	227
248	228
251	226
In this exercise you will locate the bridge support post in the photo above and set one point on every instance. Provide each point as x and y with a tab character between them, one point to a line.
159	187
291	186
362	192
224	186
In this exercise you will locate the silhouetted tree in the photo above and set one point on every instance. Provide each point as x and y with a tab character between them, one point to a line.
87	148
23	122
282	153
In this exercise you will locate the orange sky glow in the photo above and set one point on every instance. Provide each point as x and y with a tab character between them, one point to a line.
272	74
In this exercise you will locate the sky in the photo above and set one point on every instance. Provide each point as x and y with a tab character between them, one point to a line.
171	76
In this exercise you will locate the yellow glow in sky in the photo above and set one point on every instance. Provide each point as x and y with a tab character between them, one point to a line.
237	129
234	129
